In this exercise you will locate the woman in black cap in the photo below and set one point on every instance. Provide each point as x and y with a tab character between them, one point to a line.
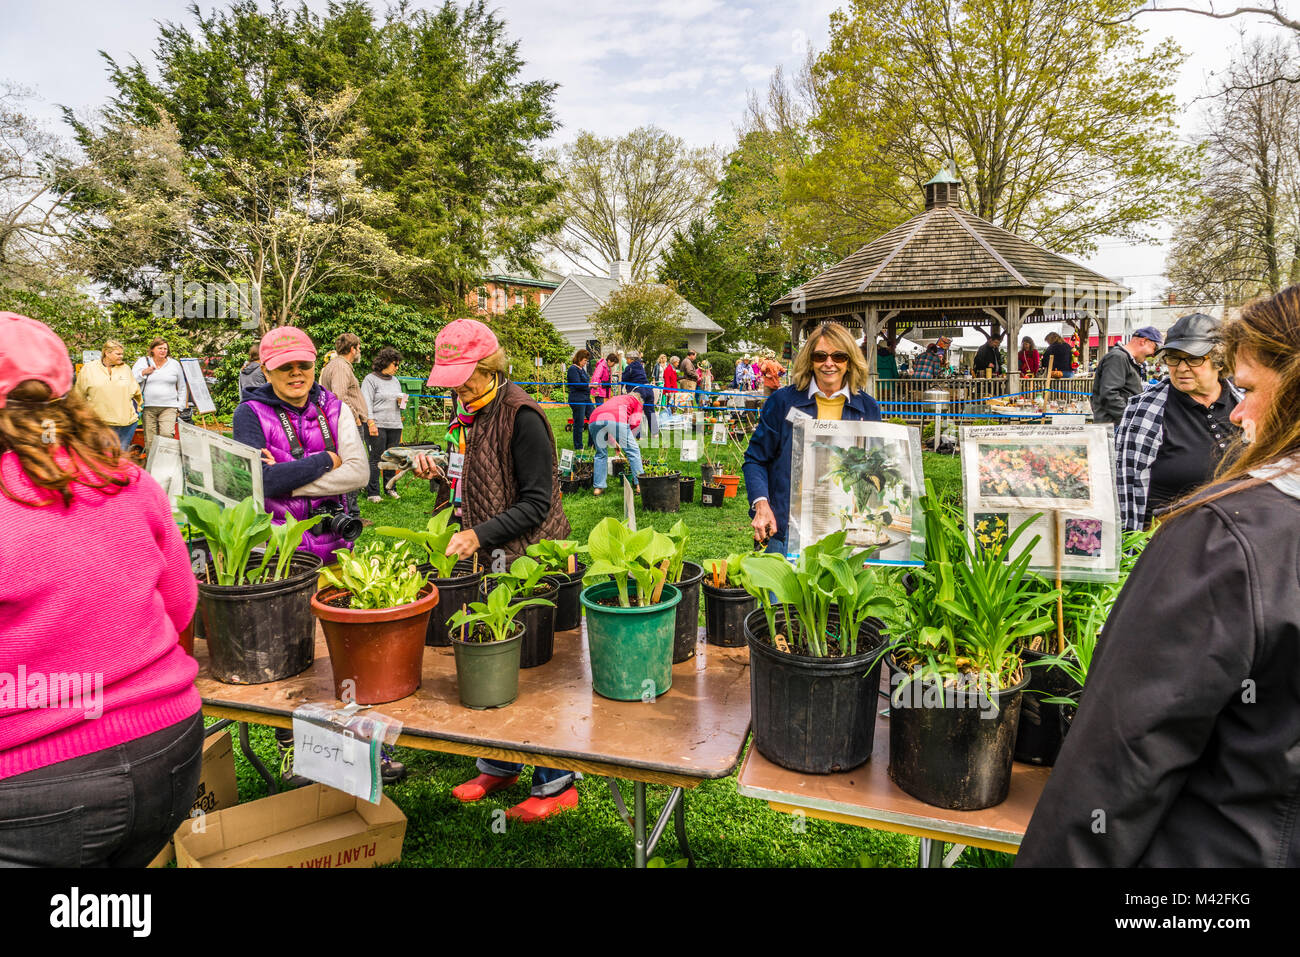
1173	435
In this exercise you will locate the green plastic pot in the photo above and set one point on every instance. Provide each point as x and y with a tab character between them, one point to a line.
487	673
631	648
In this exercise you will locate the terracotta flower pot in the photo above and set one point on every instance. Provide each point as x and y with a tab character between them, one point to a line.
379	650
729	483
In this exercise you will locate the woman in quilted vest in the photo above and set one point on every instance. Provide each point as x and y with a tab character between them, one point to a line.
502	481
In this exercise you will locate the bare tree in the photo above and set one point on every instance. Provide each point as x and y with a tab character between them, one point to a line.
30	225
1273	12
1242	237
622	198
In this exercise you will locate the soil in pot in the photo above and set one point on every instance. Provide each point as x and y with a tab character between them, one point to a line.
686	627
538	643
376	654
661	493
261	633
725	611
814	715
631	649
461	588
713	495
487	672
568	610
949	748
686	490
1042	725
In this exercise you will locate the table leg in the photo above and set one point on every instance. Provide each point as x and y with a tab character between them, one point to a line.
638	826
931	853
272	782
217	726
680	815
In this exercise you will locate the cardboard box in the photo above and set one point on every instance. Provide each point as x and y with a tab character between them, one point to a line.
314	826
217	788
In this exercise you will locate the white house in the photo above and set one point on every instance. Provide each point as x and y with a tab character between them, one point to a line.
569	308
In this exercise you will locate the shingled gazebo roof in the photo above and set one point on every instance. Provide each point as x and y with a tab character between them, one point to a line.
947	266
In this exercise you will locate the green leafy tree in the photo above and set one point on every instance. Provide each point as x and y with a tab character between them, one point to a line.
707	268
637	314
1062	123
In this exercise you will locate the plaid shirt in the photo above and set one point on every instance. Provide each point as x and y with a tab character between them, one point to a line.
1137	443
927	365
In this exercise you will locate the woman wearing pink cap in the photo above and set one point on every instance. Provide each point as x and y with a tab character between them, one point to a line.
501	472
100	730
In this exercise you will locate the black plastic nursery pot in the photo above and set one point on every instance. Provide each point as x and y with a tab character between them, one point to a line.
686	629
1043	725
661	493
713	495
568	609
260	633
706	474
686	490
950	748
725	611
814	715
538	643
461	588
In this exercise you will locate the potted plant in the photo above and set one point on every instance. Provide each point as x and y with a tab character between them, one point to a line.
630	620
1056	680
254	609
457	581
374	610
527	578
686	489
727	603
814	655
661	486
560	558
729	460
582	473
686	576
956	674
487	638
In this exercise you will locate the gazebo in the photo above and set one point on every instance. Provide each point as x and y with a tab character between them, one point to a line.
947	268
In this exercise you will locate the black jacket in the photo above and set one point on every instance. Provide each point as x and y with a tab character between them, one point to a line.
988	357
1186	748
1062	357
1117	380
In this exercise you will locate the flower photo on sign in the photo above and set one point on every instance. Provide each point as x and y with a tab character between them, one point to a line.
1083	537
990	530
1012	473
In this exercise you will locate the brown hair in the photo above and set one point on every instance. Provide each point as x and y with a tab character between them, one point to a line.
254	351
59	442
855	376
346	342
579	356
1267	331
159	341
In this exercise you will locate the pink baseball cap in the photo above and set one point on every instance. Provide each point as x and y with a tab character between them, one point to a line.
458	349
285	344
30	350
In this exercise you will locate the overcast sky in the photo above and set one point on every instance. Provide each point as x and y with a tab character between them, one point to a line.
683	65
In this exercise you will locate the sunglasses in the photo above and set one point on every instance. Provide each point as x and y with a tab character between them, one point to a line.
1192	362
839	357
296	367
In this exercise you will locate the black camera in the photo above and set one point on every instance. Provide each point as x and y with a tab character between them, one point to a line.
338	521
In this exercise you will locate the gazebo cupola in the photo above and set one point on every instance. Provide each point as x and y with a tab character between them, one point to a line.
944	189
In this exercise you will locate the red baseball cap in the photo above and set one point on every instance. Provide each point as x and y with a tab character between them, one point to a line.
285	344
30	350
458	349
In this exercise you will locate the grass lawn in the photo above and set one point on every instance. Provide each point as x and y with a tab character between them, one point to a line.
725	829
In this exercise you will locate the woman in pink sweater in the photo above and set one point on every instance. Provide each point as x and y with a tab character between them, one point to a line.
614	422
100	729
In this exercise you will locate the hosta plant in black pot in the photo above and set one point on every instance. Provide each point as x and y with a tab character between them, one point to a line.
254	608
457	581
814	655
956	676
487	639
727	603
528	579
560	558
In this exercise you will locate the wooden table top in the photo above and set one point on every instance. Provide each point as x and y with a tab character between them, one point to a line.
694	731
867	797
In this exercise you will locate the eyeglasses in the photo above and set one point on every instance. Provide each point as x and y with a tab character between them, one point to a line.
839	357
1192	362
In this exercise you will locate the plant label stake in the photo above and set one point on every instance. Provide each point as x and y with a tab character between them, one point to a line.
1060	596
659	589
629	505
464	611
573	564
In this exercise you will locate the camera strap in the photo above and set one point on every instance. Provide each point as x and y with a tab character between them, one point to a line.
295	446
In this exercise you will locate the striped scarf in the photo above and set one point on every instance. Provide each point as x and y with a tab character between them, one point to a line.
463	417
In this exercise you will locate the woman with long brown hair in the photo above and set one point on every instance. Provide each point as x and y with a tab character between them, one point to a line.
100	745
1183	749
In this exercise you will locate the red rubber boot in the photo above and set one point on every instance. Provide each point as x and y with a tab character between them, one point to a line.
540	808
481	787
